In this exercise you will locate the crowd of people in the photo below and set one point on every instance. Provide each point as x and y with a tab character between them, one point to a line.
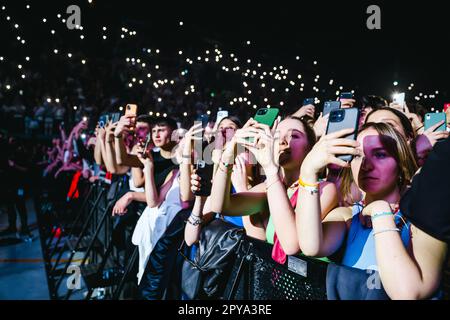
286	184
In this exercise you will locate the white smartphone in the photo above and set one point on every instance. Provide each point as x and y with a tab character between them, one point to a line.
220	115
399	99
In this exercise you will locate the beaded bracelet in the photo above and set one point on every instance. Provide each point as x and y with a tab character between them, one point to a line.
380	214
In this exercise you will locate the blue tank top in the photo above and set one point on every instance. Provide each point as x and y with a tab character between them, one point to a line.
360	247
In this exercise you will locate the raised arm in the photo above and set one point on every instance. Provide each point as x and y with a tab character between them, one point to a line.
121	153
406	275
318	236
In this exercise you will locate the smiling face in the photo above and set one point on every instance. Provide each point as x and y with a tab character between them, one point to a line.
377	172
293	143
388	117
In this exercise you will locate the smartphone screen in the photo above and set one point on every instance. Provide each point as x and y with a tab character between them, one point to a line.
344	119
205	172
329	106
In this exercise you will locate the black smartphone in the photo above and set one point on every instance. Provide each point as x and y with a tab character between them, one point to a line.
205	172
344	119
308	101
329	106
346	95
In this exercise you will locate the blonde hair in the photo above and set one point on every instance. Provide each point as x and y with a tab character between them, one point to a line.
400	151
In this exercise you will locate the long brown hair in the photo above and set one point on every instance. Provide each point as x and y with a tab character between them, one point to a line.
399	150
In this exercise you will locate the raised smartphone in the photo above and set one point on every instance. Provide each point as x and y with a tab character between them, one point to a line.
344	119
329	106
205	172
432	118
267	116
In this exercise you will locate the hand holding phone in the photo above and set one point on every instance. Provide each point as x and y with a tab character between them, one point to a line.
205	172
344	119
131	111
432	119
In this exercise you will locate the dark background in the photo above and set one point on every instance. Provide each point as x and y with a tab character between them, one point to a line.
412	45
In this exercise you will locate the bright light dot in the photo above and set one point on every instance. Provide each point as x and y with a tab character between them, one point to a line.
297	58
81	37
263	85
104	28
69	55
299	76
134	79
395	83
157	114
104	37
149	50
341	88
248	42
208	112
265	99
50	100
273	90
287	89
1	58
315	62
8	18
122	36
55	51
19	66
337	92
412	84
180	52
148	75
58	15
23	41
23	76
157	50
255	106
28	6
249	91
156	67
141	82
16	26
186	92
57	100
18	38
331	82
8	87
63	20
3	8
83	61
44	20
52	32
281	103
436	92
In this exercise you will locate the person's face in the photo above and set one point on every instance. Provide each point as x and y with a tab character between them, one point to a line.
390	118
228	128
293	143
363	114
161	135
377	171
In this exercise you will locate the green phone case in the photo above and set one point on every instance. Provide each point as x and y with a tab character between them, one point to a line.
267	116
